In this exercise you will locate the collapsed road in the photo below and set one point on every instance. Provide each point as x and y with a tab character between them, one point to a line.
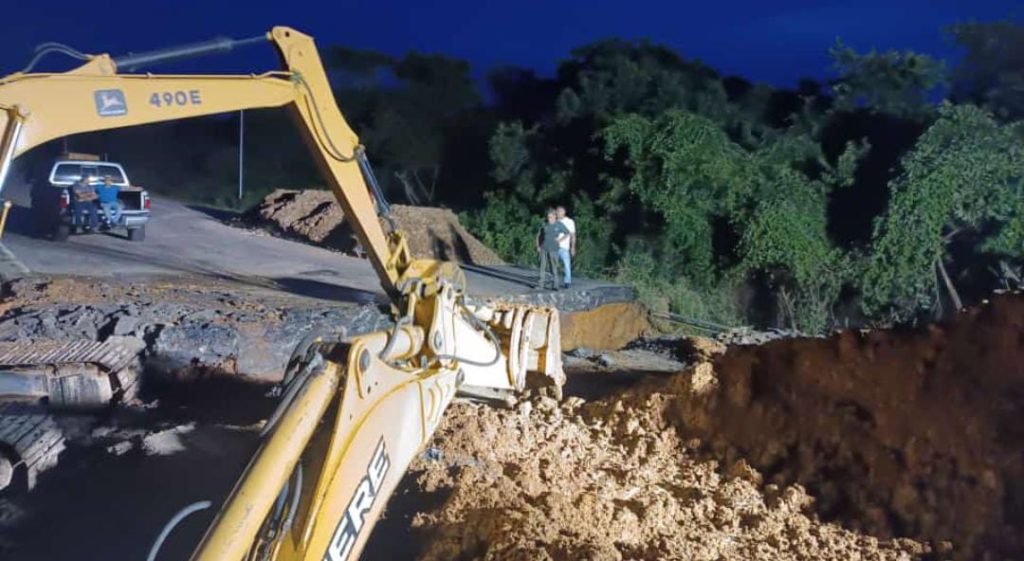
808	449
206	306
798	449
186	240
209	350
814	449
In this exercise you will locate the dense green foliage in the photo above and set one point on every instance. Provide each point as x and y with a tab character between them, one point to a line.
772	198
739	202
891	82
862	200
964	177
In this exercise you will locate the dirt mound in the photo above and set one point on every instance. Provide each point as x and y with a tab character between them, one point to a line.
896	433
315	216
915	434
608	481
613	479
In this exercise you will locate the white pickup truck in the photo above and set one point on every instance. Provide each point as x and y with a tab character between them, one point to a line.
53	207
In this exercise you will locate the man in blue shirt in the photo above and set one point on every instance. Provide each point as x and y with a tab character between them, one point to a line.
108	201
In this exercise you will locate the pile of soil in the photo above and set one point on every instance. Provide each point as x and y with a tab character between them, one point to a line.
910	433
315	216
885	445
611	480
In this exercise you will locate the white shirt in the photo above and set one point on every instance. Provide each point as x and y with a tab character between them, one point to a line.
570	224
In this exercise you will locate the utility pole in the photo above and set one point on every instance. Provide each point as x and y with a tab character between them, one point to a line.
241	153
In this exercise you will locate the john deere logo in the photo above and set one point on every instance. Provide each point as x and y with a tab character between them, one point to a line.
110	103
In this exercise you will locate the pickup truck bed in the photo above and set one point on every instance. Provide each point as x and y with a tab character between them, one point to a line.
51	200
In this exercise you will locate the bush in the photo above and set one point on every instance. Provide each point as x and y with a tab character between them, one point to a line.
507	226
662	292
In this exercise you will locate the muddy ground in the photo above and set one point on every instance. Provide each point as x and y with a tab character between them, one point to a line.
186	324
898	444
887	445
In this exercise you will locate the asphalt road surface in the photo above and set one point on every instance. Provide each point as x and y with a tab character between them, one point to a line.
186	240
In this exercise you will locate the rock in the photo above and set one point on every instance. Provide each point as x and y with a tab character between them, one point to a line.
433	454
581	352
126	325
188	346
134	343
120	448
167	442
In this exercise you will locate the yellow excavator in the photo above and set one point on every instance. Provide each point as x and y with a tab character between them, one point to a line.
353	413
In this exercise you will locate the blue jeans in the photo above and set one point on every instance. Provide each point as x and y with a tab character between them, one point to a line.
566	258
82	208
113	212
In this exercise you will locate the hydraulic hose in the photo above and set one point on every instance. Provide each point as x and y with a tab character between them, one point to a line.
44	49
294	386
294	507
358	154
475	322
174	521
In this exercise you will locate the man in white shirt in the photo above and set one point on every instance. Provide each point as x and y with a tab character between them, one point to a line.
566	246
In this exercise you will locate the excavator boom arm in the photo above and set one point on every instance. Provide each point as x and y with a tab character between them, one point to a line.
94	97
353	413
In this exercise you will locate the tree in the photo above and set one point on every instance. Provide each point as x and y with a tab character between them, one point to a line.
615	76
403	108
687	168
991	72
963	176
899	83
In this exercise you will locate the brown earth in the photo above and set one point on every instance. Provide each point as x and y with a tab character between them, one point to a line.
896	433
314	215
612	480
799	449
610	326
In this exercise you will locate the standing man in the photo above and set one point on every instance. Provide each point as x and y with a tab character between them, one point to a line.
566	246
548	238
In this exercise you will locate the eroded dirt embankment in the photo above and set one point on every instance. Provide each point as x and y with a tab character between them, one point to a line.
610	326
914	434
314	215
897	433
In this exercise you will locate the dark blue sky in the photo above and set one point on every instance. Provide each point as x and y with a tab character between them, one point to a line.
776	41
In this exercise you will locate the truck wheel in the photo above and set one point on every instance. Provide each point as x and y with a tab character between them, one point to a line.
137	234
61	232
